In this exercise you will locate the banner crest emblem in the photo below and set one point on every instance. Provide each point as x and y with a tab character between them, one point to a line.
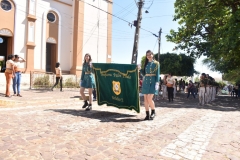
116	87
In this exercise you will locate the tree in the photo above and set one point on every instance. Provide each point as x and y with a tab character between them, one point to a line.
179	65
209	28
197	79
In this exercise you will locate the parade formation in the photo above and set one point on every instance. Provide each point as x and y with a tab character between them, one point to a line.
84	80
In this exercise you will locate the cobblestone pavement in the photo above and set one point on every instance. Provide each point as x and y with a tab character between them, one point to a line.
45	125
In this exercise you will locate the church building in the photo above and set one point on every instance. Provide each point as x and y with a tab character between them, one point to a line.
48	31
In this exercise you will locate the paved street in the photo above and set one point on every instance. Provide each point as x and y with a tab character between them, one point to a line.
45	125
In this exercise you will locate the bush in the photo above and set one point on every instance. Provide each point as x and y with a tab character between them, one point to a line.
70	83
40	82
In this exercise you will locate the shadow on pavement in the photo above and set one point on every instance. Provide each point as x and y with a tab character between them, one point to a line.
2	95
103	116
75	97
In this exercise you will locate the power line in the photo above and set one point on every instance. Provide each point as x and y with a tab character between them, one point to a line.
70	27
116	16
150	5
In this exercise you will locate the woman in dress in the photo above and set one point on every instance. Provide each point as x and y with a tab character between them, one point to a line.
17	77
150	83
58	76
87	81
9	73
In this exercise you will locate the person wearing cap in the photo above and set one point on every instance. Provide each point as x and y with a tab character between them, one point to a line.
17	77
9	73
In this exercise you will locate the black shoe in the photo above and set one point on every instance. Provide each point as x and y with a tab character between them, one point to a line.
146	118
89	107
152	114
85	104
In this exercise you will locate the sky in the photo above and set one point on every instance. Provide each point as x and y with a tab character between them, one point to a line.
160	16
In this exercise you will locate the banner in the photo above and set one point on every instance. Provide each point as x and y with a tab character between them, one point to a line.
117	85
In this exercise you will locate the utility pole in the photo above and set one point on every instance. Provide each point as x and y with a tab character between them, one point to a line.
136	37
159	43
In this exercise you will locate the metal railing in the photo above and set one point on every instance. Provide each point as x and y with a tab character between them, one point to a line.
45	80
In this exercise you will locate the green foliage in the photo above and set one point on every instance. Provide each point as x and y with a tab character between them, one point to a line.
70	83
209	28
233	76
44	82
178	65
197	79
143	61
40	82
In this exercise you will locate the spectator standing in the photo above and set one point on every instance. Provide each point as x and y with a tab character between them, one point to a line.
9	73
236	91
180	84
183	85
164	87
170	84
17	77
175	88
191	89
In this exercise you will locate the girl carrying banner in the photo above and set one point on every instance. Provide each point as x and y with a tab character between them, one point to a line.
150	83
87	81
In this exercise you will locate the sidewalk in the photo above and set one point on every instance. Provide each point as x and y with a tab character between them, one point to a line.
33	96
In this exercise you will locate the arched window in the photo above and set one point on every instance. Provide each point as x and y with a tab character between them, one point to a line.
51	17
6	5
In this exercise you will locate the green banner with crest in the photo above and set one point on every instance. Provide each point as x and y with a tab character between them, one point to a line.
117	85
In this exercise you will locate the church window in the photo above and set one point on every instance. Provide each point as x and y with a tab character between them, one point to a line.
6	5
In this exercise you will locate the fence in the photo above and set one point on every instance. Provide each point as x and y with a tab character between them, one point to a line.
45	80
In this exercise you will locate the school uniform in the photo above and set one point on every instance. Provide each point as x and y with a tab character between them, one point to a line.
151	77
87	79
